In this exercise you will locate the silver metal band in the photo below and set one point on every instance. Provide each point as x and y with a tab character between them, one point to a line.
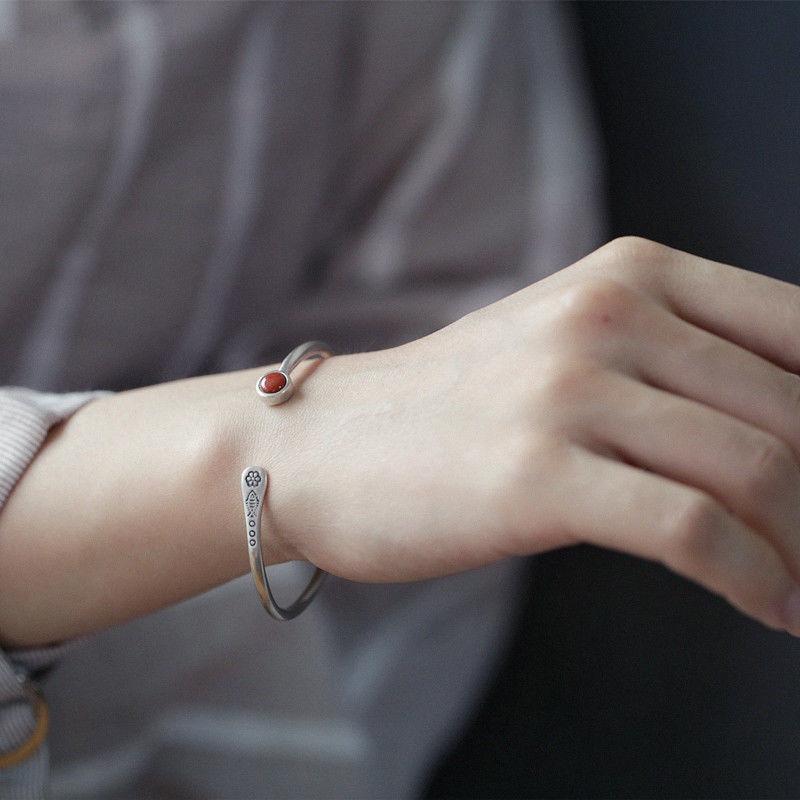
276	387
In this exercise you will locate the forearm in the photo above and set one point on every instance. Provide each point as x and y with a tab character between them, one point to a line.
132	504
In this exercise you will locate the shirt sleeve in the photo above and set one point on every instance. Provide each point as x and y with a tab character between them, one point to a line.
466	168
26	416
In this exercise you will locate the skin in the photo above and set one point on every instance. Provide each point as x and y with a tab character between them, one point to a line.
642	399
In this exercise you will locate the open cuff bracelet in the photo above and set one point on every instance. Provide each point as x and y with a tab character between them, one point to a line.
275	387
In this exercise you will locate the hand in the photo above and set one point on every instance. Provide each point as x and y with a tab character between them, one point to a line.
642	399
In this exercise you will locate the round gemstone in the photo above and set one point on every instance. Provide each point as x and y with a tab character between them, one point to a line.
272	382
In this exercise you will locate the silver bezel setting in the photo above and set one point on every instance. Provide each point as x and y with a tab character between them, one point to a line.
282	395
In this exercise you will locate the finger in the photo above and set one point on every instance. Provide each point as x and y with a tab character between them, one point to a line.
756	312
750	472
624	508
684	359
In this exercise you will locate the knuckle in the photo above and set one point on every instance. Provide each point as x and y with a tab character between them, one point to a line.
636	248
568	381
597	304
771	470
527	455
698	530
524	464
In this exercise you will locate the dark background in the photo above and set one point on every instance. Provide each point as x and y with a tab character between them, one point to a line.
625	680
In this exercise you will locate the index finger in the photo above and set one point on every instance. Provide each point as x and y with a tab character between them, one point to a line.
756	312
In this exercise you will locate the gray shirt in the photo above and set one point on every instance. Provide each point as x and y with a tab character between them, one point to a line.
188	188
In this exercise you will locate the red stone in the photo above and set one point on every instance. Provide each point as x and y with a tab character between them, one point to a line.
272	382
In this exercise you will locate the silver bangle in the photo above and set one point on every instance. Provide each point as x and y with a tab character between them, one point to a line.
275	387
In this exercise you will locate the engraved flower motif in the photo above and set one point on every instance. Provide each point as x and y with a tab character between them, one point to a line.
252	478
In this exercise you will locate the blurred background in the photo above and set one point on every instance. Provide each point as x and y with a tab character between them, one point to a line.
624	680
195	187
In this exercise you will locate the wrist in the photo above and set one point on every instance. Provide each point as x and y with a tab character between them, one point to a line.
248	431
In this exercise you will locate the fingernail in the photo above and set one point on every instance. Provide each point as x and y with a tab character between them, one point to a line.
791	612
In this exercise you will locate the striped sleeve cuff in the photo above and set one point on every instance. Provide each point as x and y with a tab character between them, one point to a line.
25	418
